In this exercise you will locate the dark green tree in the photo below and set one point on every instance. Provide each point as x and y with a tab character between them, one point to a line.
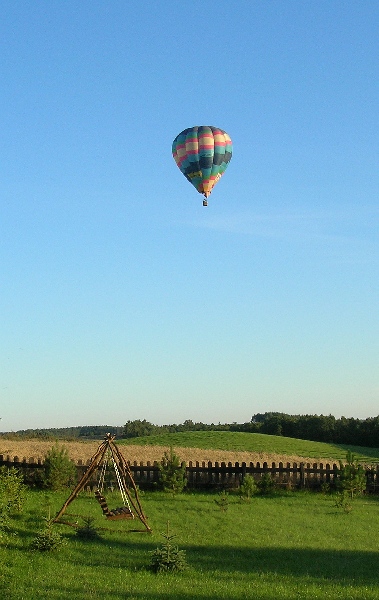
12	495
138	428
59	470
352	479
172	473
48	538
168	557
222	501
248	487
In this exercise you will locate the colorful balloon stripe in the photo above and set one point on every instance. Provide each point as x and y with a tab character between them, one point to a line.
202	154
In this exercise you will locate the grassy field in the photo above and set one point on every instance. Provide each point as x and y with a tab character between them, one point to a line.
214	446
256	443
292	545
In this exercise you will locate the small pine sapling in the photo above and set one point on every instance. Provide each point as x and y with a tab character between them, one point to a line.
352	478
172	473
343	501
266	485
222	501
59	470
168	557
12	490
351	482
12	496
248	488
88	531
48	539
325	488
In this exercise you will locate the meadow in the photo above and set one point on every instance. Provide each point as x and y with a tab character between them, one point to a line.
288	545
258	445
227	446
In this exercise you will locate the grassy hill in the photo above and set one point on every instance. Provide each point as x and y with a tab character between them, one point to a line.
255	442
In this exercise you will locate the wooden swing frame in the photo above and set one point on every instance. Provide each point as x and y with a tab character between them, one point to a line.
124	474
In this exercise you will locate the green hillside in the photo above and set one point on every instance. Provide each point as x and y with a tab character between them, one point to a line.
255	442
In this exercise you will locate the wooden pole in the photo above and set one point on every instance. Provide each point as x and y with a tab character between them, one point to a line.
94	462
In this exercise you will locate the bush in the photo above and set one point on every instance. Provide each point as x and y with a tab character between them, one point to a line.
266	485
222	501
248	487
12	494
172	473
88	531
168	557
59	470
352	478
48	539
343	500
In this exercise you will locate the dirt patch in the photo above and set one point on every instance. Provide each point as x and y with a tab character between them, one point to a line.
142	454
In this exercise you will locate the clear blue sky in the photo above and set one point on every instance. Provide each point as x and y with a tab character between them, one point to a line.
121	296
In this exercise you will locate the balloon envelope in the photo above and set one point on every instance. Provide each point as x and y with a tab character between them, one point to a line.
202	154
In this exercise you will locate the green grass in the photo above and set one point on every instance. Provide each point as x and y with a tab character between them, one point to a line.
256	442
293	545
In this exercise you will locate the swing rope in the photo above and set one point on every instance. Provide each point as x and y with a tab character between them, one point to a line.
120	483
100	484
121	486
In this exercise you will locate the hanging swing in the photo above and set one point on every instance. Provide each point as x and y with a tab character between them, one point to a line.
123	512
131	507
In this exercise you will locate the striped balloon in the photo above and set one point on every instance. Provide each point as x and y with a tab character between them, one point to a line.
202	154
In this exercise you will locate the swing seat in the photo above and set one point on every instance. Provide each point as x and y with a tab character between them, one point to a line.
118	513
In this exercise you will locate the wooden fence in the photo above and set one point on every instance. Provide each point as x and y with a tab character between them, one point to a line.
213	475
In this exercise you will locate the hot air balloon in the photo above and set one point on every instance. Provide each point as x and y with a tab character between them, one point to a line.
202	154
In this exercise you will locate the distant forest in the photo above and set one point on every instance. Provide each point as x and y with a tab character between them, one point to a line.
317	428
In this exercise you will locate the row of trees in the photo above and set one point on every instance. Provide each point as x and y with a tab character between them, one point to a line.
142	428
318	428
88	432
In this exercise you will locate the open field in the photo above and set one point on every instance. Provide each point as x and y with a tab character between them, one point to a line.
260	446
286	547
221	446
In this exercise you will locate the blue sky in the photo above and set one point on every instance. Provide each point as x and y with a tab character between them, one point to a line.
122	297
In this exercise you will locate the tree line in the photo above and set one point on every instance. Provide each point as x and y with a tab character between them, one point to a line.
317	428
88	432
320	428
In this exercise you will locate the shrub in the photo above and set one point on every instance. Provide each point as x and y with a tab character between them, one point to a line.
168	557
48	539
343	501
59	470
88	531
325	488
266	485
172	473
248	487
12	494
222	501
352	478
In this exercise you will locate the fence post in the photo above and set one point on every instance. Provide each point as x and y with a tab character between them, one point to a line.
243	472
210	473
302	475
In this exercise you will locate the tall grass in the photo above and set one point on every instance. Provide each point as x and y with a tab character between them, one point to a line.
292	545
